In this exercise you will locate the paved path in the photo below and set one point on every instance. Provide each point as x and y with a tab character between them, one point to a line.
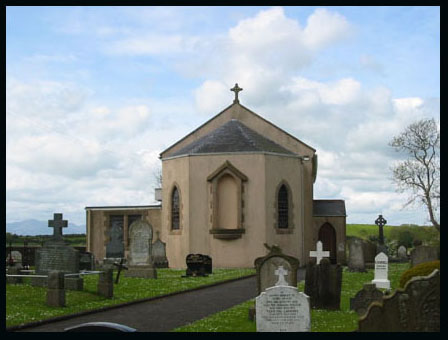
167	313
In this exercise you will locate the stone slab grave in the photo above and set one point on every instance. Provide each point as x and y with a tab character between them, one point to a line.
381	271
267	265
362	300
402	253
416	308
323	283
422	254
140	260
198	265
356	256
282	308
57	255
159	253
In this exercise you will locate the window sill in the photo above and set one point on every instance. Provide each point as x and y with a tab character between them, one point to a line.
284	230
175	232
227	234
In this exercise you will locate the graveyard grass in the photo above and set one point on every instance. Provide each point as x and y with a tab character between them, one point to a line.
26	303
236	319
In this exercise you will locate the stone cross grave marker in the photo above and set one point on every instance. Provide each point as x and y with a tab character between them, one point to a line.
281	272
120	266
381	268
380	222
283	309
319	254
57	224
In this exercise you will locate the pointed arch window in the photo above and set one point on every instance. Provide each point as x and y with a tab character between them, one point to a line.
175	225
283	208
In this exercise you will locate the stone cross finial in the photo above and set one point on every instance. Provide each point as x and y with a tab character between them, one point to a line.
281	272
57	224
380	222
236	89
318	253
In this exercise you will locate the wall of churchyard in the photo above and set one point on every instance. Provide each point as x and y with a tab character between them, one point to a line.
285	170
338	223
176	172
98	222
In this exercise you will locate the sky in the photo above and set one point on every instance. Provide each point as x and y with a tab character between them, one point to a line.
94	94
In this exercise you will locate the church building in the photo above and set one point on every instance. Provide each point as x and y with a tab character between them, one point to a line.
230	186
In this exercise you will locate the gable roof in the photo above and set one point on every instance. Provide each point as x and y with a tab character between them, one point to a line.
230	108
232	136
329	208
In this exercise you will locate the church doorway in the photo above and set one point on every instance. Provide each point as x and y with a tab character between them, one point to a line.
327	235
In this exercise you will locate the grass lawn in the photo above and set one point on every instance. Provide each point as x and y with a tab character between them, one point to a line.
26	303
236	319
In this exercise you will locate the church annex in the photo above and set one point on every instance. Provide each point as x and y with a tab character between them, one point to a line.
231	185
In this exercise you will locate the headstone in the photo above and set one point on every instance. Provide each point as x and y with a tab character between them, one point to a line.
86	261
362	300
159	253
380	222
422	254
14	270
402	253
55	290
381	270
198	265
319	254
369	251
323	284
100	327
106	283
74	283
266	267
283	309
16	257
115	246
55	254
356	256
416	308
140	260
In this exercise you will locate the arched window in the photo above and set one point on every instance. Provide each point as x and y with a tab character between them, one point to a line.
283	213
175	209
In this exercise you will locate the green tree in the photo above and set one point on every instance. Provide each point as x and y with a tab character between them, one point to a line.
419	173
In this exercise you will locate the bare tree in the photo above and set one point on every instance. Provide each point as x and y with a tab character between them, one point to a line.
157	176
420	172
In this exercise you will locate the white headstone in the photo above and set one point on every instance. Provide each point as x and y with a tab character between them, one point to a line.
140	234
318	253
283	309
381	268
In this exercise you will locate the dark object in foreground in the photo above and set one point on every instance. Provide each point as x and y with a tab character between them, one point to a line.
100	327
198	265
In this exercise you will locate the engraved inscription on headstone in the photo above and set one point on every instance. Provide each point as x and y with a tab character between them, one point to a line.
282	309
140	243
381	269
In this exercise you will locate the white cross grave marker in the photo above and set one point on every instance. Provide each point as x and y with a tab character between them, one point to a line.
281	272
318	253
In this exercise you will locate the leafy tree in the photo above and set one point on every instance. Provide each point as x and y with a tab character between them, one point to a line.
419	173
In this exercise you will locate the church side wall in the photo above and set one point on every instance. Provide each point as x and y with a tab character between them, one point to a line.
284	171
176	172
239	252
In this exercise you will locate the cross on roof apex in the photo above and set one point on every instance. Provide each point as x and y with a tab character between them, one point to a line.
236	89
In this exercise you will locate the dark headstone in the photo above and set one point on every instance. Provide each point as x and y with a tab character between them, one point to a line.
323	284
14	270
106	283
115	246
369	251
267	266
56	290
422	254
416	308
362	300
356	256
99	327
74	283
86	261
198	265
159	253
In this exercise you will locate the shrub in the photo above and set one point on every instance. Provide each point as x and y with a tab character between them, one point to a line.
422	269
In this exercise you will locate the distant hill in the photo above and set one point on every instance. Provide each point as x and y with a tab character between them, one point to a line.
35	227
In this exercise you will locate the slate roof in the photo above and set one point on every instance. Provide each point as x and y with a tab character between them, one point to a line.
232	136
329	208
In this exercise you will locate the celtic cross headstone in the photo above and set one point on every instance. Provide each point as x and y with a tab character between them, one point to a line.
380	222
